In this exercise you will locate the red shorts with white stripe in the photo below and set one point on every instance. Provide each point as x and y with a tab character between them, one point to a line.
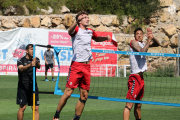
79	76
135	87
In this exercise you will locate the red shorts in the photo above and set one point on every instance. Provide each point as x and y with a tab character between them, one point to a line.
135	87
79	76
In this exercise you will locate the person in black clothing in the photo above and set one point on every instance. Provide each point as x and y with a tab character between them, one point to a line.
25	84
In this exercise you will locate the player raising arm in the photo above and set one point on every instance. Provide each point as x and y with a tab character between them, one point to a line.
138	67
79	72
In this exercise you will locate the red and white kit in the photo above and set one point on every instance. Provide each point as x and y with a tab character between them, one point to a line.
79	73
136	82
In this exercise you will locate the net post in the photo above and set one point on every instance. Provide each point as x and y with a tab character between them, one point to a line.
124	70
178	57
34	83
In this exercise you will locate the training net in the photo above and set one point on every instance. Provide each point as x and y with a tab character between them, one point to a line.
110	70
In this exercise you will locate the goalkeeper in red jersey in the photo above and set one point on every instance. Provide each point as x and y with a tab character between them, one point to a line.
79	72
138	67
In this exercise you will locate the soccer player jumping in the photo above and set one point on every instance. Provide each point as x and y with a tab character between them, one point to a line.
138	67
79	72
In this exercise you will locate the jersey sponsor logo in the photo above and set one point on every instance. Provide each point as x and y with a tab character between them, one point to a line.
70	83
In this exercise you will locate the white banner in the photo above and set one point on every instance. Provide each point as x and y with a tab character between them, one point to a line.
13	43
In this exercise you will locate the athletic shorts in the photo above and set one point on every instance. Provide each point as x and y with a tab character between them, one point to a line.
79	76
135	87
26	96
49	66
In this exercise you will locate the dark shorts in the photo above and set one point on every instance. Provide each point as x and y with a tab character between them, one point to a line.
49	66
26	96
135	87
79	76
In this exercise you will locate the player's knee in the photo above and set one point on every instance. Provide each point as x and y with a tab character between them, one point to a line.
82	100
128	107
68	92
36	108
22	108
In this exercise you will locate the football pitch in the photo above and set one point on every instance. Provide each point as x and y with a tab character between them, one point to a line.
94	109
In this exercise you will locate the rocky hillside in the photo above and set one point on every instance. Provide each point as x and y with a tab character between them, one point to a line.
165	25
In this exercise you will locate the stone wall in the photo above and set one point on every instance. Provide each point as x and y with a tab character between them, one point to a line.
165	25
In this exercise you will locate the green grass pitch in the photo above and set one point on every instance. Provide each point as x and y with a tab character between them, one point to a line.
162	90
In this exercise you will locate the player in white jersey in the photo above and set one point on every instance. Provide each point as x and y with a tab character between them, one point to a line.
79	72
138	67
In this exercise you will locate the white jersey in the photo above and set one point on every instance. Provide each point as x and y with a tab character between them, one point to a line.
81	44
138	62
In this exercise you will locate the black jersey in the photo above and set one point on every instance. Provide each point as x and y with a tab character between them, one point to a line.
25	77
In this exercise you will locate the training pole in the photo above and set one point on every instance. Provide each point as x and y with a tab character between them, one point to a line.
34	74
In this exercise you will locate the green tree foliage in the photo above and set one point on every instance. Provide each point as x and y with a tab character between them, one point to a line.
32	5
138	9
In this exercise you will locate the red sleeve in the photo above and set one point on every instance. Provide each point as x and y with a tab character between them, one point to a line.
130	44
75	31
94	35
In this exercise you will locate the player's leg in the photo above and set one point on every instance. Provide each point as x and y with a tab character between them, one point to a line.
127	110
72	83
52	71
21	101
62	102
137	107
46	69
84	89
20	113
81	103
36	112
137	111
132	94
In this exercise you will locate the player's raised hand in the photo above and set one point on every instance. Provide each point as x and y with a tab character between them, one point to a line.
149	34
108	37
34	61
80	18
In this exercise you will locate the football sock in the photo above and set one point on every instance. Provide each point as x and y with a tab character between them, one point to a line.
138	119
57	114
46	77
52	78
76	117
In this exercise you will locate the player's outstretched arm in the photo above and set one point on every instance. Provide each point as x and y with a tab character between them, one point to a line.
101	39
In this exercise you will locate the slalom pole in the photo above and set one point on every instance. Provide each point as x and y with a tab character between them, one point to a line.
34	74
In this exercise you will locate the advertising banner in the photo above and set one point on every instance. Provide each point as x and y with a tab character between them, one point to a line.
104	64
13	46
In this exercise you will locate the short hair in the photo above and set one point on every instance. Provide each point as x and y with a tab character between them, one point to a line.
48	46
80	13
28	46
138	29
